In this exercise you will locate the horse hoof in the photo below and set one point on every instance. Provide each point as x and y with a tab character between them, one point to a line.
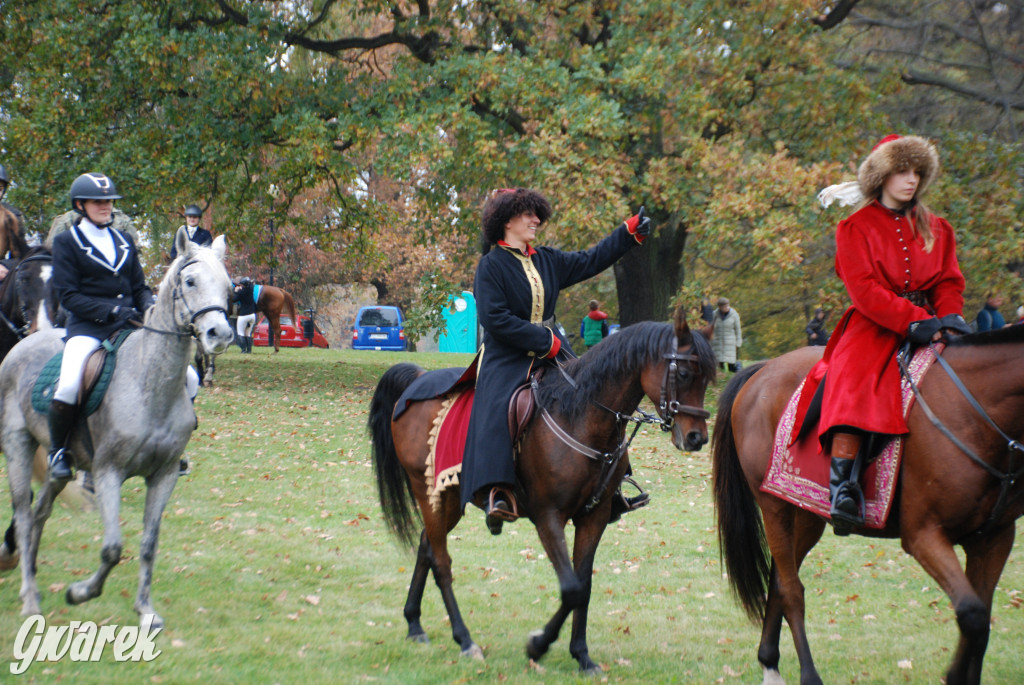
8	559
534	648
474	652
421	638
593	671
772	677
156	622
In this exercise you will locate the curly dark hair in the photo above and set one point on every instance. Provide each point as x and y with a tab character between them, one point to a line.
505	205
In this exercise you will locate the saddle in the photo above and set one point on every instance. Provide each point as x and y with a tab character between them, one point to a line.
96	374
521	407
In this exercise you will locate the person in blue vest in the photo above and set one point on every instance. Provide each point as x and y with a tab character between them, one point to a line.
99	280
516	286
989	318
196	233
594	327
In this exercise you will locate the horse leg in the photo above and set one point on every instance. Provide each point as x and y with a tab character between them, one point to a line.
158	491
108	498
790	534
933	550
588	536
573	592
274	327
436	534
29	530
414	600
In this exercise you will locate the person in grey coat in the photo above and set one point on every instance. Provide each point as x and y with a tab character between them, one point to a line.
728	336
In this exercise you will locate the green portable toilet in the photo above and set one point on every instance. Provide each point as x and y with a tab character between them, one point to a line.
460	321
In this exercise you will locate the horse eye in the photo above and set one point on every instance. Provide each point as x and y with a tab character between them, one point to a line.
190	282
685	375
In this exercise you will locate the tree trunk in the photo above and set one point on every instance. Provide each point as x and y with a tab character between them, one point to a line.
649	277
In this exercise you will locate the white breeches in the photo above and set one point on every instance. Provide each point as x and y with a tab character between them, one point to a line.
245	325
76	350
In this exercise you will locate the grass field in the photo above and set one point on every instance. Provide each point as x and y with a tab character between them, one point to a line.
275	567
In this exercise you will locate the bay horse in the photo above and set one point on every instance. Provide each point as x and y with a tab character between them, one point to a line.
11	241
945	496
140	428
271	303
557	470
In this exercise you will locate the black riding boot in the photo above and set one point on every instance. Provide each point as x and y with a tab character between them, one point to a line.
622	504
847	509
61	419
248	345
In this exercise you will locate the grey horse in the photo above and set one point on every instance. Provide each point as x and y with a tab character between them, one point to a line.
140	429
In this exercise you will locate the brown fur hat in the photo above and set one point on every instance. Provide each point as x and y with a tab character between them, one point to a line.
897	153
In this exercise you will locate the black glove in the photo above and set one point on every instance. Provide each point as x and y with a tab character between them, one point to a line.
921	332
125	314
955	322
643	225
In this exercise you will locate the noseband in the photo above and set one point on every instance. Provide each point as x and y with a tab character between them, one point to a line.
669	406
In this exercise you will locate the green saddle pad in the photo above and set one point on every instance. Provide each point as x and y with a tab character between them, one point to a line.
46	384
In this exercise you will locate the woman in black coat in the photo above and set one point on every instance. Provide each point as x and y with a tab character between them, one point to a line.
98	279
516	288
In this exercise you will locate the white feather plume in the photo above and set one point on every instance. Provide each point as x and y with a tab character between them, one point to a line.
846	193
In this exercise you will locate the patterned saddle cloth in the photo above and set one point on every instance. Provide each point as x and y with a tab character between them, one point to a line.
99	368
799	473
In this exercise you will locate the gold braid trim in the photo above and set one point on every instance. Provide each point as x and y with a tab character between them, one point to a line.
437	484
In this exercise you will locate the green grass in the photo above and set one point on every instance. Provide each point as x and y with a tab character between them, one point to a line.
275	567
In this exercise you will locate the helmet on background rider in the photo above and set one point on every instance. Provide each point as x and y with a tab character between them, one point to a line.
193	210
245	281
4	181
92	186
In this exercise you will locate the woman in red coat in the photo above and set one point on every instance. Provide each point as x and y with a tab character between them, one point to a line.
898	263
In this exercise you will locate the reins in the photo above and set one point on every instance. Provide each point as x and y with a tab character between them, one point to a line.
1006	479
669	406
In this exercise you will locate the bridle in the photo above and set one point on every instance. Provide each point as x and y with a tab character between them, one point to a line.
669	407
22	331
178	294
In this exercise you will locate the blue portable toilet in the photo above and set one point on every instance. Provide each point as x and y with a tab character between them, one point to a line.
461	324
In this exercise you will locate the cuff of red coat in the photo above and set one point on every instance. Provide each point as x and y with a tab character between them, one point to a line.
556	345
631	223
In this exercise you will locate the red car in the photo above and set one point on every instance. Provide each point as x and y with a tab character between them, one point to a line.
290	336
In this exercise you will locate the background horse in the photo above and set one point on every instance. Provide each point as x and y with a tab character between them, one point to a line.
945	498
555	478
271	303
11	240
140	428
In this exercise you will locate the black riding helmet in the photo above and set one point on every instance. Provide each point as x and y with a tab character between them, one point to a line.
193	210
92	186
4	181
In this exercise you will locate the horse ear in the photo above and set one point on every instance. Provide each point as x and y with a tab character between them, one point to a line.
682	328
181	241
220	247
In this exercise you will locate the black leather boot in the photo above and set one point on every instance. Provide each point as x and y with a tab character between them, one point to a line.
622	504
847	510
61	419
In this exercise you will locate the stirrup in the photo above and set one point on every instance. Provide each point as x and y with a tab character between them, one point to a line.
502	513
843	521
183	467
59	467
636	501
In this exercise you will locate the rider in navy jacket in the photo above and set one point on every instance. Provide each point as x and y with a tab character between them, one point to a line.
99	280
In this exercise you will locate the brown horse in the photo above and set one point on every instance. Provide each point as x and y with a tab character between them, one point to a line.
556	475
967	495
11	240
272	302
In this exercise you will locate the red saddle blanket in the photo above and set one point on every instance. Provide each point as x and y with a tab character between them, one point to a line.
799	473
447	441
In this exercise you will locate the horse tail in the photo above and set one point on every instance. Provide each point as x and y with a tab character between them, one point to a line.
741	538
393	485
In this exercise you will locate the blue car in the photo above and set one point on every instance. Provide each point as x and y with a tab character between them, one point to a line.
379	328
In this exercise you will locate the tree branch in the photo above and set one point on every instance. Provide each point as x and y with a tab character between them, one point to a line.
916	78
835	16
